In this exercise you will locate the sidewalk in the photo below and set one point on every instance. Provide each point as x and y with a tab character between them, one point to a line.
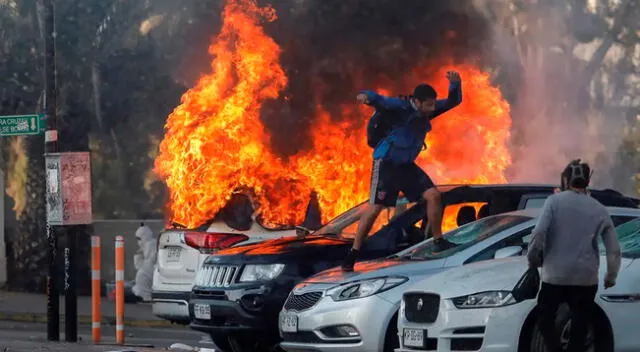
26	307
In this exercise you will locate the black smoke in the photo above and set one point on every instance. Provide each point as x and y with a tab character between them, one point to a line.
334	48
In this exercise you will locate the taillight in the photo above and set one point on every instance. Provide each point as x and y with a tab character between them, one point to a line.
207	242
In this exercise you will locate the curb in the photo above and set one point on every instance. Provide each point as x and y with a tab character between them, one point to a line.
84	319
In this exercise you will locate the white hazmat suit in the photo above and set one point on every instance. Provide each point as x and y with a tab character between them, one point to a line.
145	262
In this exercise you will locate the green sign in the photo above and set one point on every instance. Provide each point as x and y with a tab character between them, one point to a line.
21	125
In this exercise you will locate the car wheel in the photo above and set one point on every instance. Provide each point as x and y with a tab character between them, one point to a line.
563	324
221	342
391	341
247	343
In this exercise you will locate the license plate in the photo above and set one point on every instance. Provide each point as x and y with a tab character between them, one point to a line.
414	337
289	323
202	311
173	254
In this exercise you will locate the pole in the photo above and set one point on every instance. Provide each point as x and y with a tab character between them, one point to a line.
70	294
95	289
50	146
120	290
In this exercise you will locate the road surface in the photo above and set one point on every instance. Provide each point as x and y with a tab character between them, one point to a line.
27	337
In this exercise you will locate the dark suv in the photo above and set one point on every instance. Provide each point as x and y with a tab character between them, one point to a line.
238	292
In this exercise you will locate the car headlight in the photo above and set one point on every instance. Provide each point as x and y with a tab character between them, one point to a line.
260	272
364	288
489	299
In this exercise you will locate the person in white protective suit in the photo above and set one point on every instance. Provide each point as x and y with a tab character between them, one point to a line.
145	261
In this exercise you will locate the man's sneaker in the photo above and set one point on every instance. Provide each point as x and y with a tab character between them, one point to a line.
350	260
442	244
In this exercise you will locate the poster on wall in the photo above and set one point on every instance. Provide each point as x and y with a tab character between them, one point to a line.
54	191
69	188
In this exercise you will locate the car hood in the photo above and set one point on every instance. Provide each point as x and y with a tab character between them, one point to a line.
490	275
376	268
276	249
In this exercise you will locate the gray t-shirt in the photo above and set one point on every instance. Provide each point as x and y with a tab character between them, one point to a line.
565	240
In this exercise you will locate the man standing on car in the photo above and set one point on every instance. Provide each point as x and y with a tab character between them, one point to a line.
565	245
394	167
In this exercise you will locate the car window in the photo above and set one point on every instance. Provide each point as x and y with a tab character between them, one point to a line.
520	239
629	238
455	215
345	225
464	237
617	220
523	238
534	203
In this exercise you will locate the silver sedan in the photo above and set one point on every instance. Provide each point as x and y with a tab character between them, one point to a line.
357	311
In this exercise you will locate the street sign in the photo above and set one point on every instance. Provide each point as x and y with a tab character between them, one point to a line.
69	188
21	125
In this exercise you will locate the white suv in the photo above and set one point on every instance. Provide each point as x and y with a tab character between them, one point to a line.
181	252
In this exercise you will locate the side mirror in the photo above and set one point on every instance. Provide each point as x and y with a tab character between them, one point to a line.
507	252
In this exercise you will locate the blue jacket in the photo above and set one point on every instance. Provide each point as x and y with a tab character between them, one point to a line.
405	142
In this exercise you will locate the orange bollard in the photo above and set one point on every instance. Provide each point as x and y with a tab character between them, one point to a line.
95	289
120	290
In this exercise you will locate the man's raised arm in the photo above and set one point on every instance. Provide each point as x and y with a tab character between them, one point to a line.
453	99
378	101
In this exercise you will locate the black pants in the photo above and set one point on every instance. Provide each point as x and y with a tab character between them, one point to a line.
581	303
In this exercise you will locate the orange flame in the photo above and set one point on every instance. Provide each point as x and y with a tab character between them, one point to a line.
215	143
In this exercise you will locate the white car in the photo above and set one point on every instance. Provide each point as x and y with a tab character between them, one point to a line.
470	308
182	252
357	311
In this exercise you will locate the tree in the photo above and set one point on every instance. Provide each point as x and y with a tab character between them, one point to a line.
573	59
119	119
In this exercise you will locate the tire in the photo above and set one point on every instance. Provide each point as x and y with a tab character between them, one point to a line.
221	342
391	341
252	343
603	343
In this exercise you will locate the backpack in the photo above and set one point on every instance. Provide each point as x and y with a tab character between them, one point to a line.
381	123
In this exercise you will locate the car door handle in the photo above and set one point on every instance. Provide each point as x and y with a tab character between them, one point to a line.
621	298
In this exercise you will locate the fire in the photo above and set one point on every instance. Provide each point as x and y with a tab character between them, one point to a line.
450	215
215	143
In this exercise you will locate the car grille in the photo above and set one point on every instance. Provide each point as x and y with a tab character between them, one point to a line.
421	307
216	275
303	301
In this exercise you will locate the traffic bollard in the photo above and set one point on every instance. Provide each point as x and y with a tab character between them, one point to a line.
95	289
120	290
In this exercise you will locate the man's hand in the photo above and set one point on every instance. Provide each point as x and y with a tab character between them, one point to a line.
362	98
453	76
609	282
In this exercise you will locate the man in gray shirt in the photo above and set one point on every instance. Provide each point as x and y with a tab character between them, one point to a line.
565	245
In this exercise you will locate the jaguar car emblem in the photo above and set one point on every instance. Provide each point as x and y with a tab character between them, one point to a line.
215	259
420	304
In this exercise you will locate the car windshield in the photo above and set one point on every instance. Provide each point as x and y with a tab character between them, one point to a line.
463	237
345	225
629	238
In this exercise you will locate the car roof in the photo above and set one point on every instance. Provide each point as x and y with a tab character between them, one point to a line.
450	186
534	212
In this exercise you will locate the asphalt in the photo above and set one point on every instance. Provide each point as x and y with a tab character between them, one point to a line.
23	318
26	307
19	336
